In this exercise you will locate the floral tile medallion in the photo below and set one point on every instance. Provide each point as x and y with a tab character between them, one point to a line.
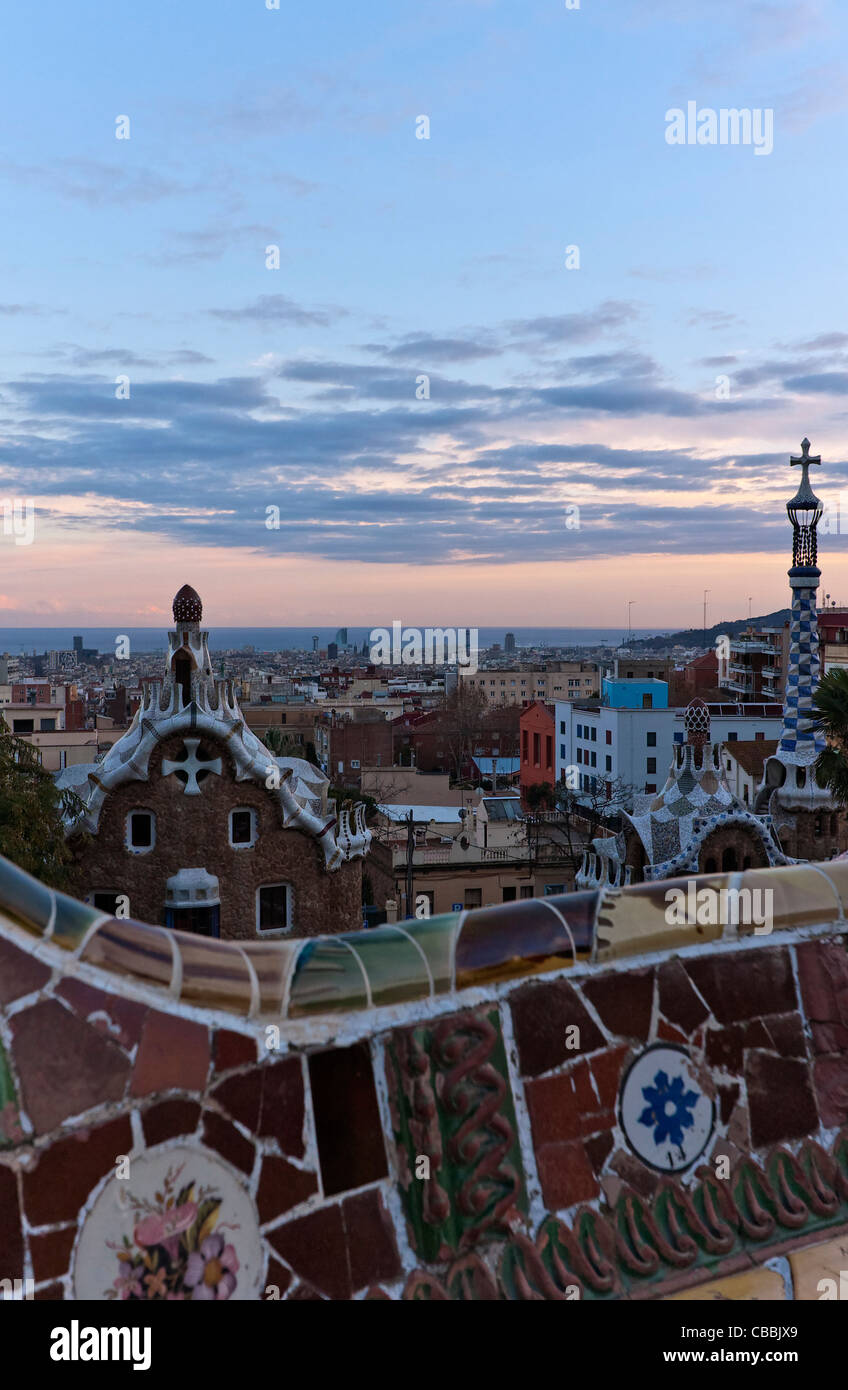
180	1226
665	1114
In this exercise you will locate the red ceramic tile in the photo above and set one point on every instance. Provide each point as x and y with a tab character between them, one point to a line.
11	1243
226	1140
51	1253
241	1097
351	1142
173	1055
20	973
831	1078
278	1277
315	1248
666	1033
765	986
371	1244
786	1033
584	1091
623	1001
566	1175
780	1098
304	1293
727	1098
679	1002
282	1105
56	1188
233	1050
635	1173
607	1068
281	1187
168	1119
541	1015
554	1114
65	1066
598	1148
124	1018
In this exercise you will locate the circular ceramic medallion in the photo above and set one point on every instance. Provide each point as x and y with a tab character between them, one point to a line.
666	1117
180	1226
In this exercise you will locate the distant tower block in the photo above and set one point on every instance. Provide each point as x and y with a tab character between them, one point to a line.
509	642
315	643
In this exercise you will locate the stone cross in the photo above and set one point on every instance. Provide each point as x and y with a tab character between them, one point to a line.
805	460
191	765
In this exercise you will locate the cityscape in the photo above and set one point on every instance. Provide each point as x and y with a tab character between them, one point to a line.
424	671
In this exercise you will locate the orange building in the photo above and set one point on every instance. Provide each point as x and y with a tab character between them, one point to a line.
537	728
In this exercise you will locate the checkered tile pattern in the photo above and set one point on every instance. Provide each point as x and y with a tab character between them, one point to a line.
798	738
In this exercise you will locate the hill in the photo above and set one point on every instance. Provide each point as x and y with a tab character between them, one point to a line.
696	637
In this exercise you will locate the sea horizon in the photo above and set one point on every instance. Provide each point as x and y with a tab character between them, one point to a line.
22	641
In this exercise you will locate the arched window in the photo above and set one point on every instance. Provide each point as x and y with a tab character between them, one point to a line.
729	862
710	866
746	862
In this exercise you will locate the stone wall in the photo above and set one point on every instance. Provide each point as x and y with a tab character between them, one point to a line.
193	832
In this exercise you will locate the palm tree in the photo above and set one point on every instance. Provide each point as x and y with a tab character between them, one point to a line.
831	702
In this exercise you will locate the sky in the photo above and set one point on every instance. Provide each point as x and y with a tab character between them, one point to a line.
535	367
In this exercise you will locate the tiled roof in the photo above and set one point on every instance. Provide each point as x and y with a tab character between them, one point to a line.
751	753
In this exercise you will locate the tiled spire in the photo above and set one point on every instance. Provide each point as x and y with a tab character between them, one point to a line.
800	743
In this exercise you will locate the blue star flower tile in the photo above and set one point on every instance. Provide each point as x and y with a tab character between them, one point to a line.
665	1114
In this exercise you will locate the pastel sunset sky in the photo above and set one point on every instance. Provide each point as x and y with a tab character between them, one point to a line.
658	388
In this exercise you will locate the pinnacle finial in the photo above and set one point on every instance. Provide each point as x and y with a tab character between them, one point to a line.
806	457
187	605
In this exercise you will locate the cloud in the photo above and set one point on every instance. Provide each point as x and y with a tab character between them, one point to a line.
718	319
425	347
381	476
278	308
21	310
553	329
97	183
822	342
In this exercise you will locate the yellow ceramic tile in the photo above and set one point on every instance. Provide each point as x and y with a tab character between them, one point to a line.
755	1285
817	1263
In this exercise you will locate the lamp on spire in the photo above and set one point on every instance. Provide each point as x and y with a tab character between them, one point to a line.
804	511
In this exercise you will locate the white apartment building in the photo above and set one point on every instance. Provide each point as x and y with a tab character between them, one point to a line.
636	745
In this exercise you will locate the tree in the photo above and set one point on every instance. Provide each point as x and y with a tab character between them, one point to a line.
539	796
33	813
463	713
283	744
577	818
831	702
